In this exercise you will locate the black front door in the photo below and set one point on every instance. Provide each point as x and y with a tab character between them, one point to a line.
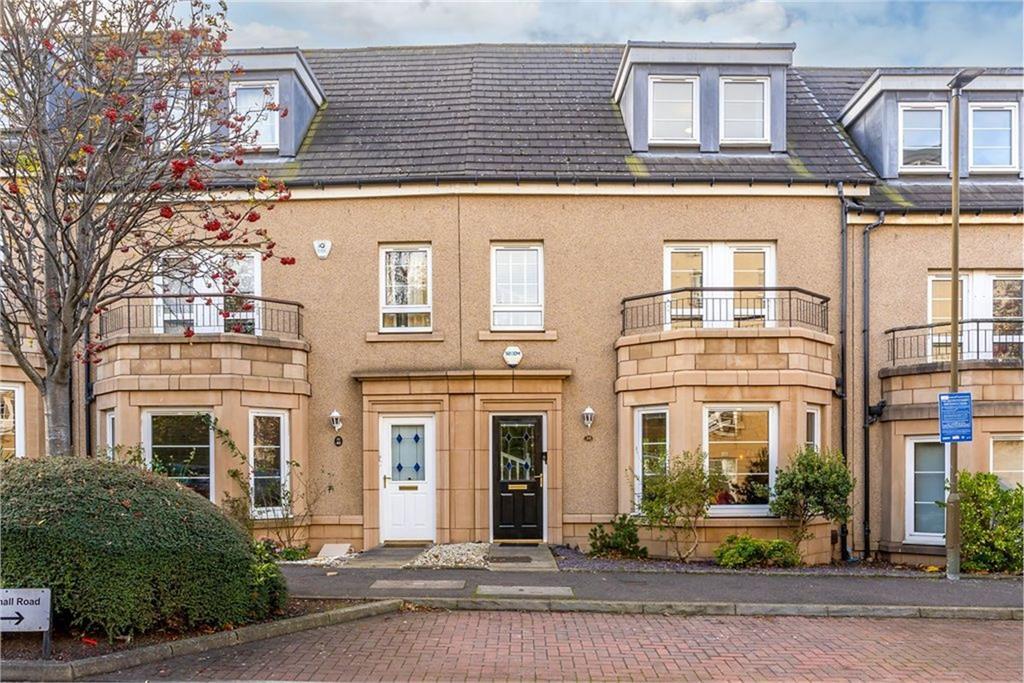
518	483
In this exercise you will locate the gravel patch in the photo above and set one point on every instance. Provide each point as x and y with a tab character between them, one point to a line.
571	559
451	556
330	561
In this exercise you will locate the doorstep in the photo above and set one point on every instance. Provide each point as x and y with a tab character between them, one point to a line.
519	557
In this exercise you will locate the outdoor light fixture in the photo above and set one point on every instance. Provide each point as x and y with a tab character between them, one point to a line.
588	417
336	420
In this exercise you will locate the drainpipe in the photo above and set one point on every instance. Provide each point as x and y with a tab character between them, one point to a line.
89	398
844	547
866	377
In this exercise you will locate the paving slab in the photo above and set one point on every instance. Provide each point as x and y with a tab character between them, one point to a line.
521	558
385	557
525	591
418	584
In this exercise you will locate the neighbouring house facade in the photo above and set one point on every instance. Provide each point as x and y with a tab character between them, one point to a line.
529	275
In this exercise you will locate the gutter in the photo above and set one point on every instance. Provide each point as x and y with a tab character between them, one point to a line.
866	377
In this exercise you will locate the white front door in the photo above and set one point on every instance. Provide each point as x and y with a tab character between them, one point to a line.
408	472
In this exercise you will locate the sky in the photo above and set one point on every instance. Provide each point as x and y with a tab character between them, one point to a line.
827	32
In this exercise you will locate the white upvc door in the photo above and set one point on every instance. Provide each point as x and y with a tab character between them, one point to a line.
408	479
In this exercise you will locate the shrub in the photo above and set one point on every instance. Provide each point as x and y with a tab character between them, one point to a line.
675	500
623	541
814	484
738	552
127	551
991	524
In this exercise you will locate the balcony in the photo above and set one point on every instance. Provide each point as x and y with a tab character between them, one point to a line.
186	315
724	307
993	341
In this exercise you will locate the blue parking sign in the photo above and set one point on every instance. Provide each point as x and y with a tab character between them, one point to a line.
956	417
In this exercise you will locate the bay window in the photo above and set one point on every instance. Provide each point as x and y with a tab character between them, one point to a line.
405	289
740	442
268	463
517	287
179	444
651	446
812	427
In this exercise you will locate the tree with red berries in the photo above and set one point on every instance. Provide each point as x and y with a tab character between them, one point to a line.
120	153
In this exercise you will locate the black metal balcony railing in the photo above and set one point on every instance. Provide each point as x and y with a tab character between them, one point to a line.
188	314
704	307
980	339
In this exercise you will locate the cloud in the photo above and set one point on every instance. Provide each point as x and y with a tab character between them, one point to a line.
257	34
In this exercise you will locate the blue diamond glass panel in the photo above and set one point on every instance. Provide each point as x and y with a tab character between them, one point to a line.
408	453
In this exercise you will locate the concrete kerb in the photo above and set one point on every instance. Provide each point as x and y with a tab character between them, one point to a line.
720	608
27	670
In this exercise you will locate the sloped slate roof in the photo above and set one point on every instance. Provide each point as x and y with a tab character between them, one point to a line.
523	112
834	86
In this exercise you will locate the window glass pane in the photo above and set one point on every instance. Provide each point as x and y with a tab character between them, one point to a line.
653	443
1008	461
812	428
672	110
405	277
942	297
738	447
992	137
518	319
517	276
408	454
518	445
8	423
251	101
922	137
267	464
180	447
929	480
404	320
743	110
1008	302
687	269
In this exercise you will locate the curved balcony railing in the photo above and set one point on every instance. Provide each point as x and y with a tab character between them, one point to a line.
980	339
718	307
190	314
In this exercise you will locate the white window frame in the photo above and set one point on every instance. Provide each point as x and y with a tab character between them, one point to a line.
496	307
992	449
718	271
110	432
276	114
694	81
773	455
766	83
910	535
976	291
1014	136
404	308
19	416
815	438
147	439
944	136
211	322
638	460
275	512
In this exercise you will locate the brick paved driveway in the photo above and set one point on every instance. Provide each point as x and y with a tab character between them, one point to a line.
555	646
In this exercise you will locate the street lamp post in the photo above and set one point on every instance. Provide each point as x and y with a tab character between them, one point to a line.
956	87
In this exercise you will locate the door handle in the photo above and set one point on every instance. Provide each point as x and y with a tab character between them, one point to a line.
386	479
540	479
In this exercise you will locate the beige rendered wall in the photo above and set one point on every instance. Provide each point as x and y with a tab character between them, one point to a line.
597	250
904	250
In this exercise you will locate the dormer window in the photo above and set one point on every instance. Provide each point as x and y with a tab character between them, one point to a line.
251	100
922	138
744	111
993	137
673	109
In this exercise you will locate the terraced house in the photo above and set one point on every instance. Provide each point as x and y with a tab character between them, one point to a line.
529	274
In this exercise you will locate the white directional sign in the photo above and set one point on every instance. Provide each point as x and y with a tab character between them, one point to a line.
25	609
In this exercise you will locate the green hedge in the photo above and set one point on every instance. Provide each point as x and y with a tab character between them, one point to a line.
991	524
128	551
738	552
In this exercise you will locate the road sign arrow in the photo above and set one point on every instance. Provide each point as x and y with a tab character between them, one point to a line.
17	619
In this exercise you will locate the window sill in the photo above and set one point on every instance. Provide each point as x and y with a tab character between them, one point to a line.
499	335
910	170
726	511
921	539
744	143
374	337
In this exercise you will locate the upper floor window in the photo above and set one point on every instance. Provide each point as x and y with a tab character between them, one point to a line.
993	302
405	296
674	109
993	136
235	308
251	100
744	110
922	137
517	287
748	268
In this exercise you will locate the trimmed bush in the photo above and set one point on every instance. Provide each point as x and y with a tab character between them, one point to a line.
738	552
128	551
813	484
991	524
623	541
